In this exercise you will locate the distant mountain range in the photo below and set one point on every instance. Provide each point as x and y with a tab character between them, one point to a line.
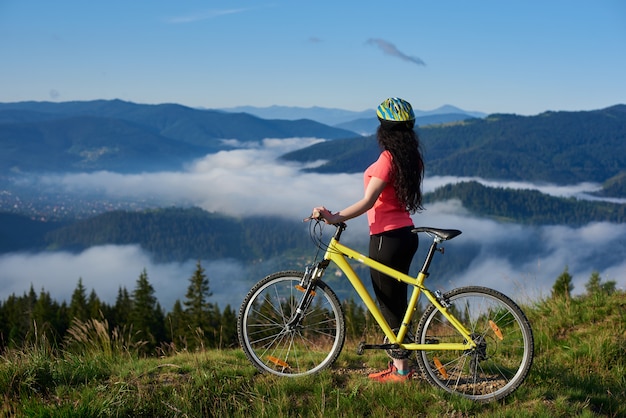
128	137
554	147
363	122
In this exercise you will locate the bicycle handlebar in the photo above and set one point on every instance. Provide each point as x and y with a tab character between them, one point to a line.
317	217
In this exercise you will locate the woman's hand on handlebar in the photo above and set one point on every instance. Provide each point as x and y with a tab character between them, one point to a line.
321	213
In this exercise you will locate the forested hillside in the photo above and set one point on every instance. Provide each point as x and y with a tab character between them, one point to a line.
528	206
88	143
553	147
20	233
177	234
557	147
615	186
173	234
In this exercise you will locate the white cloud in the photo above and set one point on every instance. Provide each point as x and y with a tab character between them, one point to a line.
390	49
241	182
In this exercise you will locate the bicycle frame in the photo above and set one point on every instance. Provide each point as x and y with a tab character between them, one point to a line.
338	253
472	341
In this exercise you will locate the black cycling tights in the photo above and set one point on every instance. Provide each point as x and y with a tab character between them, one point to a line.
395	249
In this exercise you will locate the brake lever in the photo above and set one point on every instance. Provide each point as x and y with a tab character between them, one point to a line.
312	217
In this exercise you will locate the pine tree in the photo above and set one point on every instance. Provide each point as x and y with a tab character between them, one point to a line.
121	310
159	324
176	325
45	315
214	328
13	321
78	303
18	318
63	318
30	300
197	308
595	285
146	315
94	306
563	286
228	328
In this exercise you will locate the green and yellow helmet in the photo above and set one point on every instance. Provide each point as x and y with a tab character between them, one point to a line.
395	109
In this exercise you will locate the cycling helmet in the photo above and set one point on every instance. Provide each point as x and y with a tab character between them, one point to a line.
395	109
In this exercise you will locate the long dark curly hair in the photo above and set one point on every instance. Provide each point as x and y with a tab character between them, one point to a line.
402	142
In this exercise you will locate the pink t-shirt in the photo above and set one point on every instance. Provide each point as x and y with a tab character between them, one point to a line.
387	213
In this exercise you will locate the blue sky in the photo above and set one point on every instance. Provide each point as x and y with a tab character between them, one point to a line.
521	57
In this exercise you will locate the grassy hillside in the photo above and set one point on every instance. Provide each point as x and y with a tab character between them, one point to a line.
579	369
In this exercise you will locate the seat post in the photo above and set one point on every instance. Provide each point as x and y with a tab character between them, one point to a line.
429	258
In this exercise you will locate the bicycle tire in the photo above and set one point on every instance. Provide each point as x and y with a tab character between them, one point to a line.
500	362
275	347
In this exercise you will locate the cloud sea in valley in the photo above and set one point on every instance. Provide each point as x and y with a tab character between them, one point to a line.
252	180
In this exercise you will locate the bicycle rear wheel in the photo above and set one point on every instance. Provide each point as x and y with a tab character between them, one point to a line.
504	353
275	342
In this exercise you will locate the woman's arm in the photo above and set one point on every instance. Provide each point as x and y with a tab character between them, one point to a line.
372	191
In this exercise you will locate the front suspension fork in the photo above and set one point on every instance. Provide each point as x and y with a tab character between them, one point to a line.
307	285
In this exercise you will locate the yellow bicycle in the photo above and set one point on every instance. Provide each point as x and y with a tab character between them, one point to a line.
472	341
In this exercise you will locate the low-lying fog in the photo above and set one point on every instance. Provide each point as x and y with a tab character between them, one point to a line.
250	181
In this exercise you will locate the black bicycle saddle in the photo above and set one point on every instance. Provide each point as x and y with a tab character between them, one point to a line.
443	234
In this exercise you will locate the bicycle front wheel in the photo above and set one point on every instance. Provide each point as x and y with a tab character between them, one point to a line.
278	339
504	345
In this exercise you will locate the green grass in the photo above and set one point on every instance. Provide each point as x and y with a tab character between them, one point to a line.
579	371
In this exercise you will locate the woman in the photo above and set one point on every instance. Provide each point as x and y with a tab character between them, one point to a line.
392	192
